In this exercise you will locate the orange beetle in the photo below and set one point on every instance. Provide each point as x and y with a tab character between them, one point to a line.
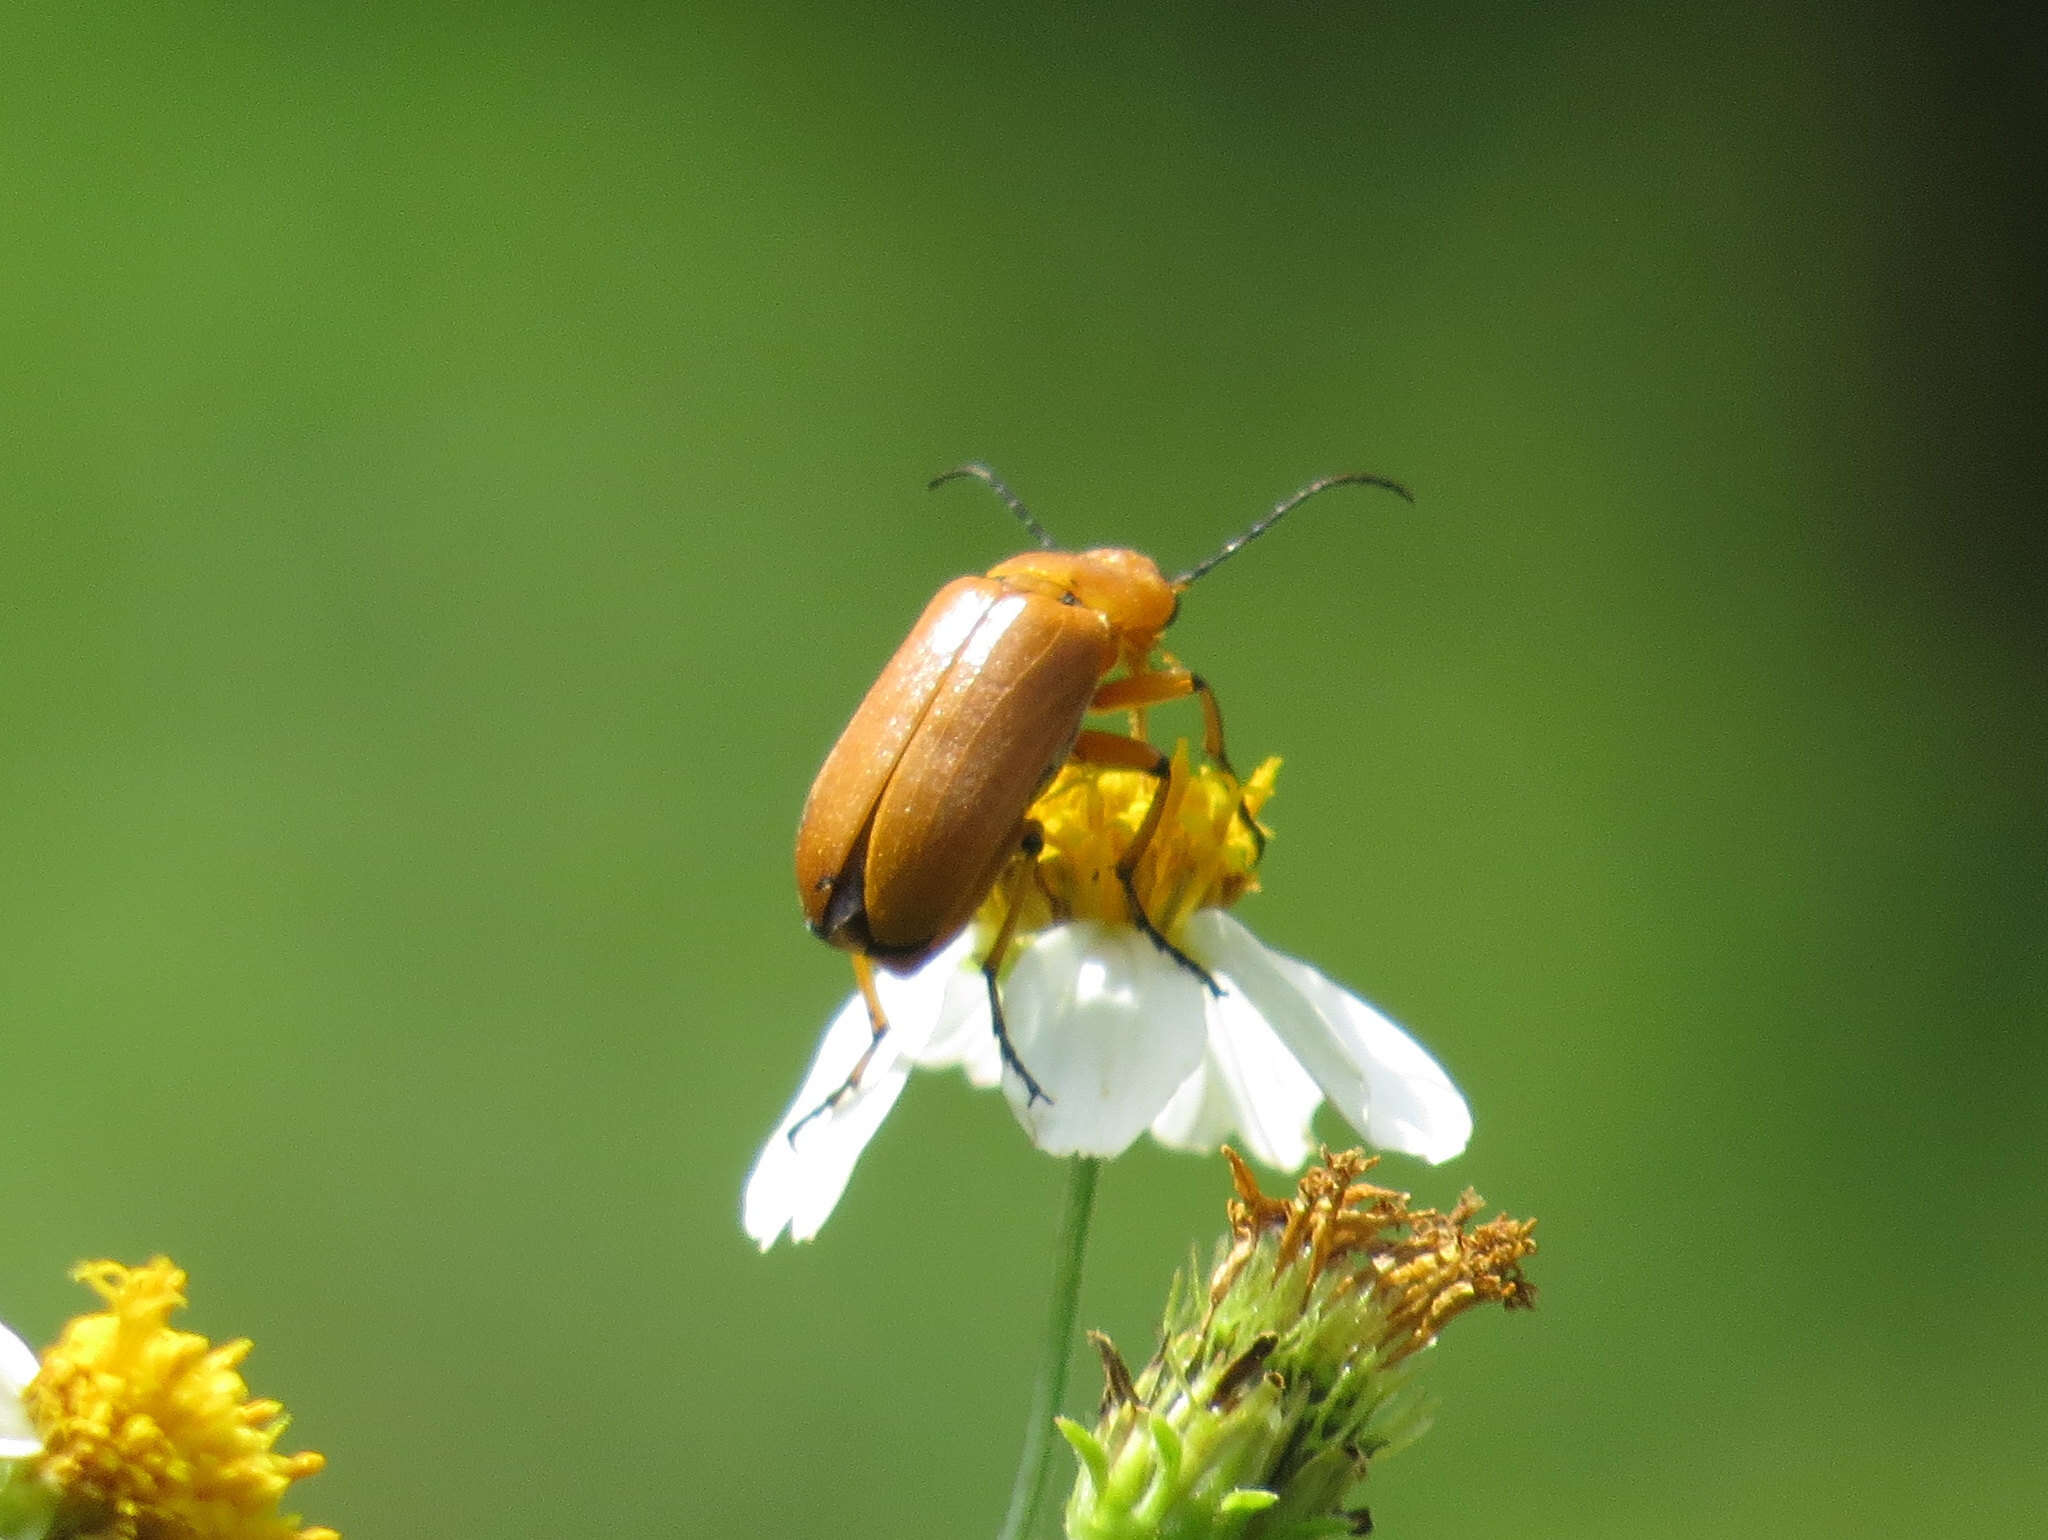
921	806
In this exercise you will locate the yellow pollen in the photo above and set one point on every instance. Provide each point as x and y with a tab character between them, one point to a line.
148	1433
1202	854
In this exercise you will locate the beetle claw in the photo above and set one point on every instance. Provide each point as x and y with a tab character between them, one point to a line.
1144	922
1207	978
846	1087
817	1112
1033	1091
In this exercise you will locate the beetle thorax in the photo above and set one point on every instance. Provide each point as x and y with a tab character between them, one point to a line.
1126	588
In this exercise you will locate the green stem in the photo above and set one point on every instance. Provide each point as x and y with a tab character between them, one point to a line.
1034	1463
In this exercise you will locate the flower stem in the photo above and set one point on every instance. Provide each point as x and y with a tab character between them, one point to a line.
1034	1463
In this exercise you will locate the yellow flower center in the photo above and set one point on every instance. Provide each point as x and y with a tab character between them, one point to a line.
148	1433
1202	854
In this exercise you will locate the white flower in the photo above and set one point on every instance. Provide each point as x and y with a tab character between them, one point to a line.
1121	1038
18	1365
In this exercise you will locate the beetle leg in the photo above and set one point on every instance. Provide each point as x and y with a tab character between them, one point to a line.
1212	745
878	1023
1023	869
1135	691
1109	749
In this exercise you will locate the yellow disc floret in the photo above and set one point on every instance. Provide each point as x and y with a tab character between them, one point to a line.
1203	853
149	1433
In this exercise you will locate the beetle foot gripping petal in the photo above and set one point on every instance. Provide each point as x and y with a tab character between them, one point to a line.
1033	1091
878	1028
1144	923
846	1091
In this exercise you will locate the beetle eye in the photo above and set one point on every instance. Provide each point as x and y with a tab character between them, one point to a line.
1070	599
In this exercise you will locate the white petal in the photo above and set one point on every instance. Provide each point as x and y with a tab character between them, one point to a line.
1109	1026
1249	1090
1236	956
18	1366
1273	1098
1199	1116
922	1006
961	1033
1414	1107
1382	1080
796	1183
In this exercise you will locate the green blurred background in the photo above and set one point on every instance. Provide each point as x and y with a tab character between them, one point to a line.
462	465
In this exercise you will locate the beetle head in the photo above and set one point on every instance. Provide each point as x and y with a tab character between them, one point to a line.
1126	588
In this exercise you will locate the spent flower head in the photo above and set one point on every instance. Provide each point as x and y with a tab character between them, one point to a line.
1119	1035
1273	1388
130	1430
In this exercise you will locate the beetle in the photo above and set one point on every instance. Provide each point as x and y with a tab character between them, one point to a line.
920	809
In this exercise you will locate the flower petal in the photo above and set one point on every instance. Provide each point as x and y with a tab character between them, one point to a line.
1273	1099
1414	1107
1108	1025
961	1033
1249	1088
921	1005
797	1182
1385	1083
1199	1116
18	1365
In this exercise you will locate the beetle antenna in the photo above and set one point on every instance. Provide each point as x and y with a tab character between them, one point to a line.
981	472
1280	511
